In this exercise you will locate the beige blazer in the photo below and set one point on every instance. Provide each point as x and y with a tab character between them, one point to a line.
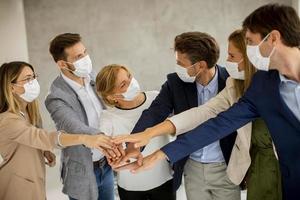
240	157
22	172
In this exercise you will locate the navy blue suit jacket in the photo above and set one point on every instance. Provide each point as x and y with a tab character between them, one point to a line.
261	99
175	97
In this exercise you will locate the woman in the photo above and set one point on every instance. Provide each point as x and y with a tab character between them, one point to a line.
121	92
22	141
262	175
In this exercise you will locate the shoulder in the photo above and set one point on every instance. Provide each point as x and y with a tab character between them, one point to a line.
59	89
173	77
229	83
9	115
262	78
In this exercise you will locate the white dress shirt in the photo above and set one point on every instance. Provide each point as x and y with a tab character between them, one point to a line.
91	104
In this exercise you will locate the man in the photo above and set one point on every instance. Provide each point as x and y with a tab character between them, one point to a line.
197	79
273	37
75	108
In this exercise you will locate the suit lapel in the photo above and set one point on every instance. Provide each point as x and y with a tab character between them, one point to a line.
191	94
283	108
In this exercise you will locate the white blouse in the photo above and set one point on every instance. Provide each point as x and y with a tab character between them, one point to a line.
115	121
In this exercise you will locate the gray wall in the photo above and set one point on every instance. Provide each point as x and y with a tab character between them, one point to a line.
137	33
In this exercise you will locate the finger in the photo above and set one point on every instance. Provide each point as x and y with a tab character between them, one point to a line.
140	159
140	144
117	152
106	143
129	166
111	153
128	156
121	149
138	169
124	138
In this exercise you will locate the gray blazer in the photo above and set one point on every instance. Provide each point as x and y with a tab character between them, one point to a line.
68	113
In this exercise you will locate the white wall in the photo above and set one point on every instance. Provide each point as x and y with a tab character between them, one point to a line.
13	41
137	33
12	31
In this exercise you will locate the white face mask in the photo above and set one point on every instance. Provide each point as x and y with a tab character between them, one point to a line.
255	57
183	74
132	90
233	70
83	67
32	91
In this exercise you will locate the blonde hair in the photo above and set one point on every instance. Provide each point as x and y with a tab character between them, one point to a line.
106	81
238	40
9	73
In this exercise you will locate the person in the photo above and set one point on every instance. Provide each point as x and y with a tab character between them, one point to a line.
273	37
24	145
197	79
121	91
252	158
74	107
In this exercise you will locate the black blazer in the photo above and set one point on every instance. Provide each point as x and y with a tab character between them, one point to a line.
175	97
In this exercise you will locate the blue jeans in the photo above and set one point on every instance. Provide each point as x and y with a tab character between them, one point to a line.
105	183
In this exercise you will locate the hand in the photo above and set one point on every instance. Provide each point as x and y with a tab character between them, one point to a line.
148	162
130	152
99	142
114	154
139	139
50	157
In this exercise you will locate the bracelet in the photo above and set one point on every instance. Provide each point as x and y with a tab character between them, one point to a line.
58	139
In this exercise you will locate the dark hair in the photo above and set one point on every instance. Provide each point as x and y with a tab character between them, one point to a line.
198	46
60	43
275	17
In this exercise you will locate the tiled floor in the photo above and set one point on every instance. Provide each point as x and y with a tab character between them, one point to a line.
54	186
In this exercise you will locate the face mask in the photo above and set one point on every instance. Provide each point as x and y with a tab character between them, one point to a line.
183	75
255	57
132	90
233	70
83	67
32	91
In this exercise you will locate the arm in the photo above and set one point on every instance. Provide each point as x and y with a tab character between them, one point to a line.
159	110
65	117
182	122
20	131
212	130
193	117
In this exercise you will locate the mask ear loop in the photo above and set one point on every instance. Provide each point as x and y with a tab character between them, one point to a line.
264	39
192	66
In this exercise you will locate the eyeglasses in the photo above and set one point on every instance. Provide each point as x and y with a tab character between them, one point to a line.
29	79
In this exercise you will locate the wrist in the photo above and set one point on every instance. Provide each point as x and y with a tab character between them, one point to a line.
160	155
151	132
83	139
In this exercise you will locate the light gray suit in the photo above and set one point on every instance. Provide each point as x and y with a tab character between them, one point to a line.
68	113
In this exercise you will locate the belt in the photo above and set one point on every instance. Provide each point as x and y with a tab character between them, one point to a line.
100	163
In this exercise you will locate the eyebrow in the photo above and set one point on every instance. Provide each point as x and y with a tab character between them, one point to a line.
29	75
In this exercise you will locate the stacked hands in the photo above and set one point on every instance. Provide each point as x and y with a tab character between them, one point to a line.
124	152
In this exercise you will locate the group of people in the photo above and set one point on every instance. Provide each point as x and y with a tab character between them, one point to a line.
236	127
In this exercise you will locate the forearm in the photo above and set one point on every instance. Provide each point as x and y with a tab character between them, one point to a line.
66	139
164	128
